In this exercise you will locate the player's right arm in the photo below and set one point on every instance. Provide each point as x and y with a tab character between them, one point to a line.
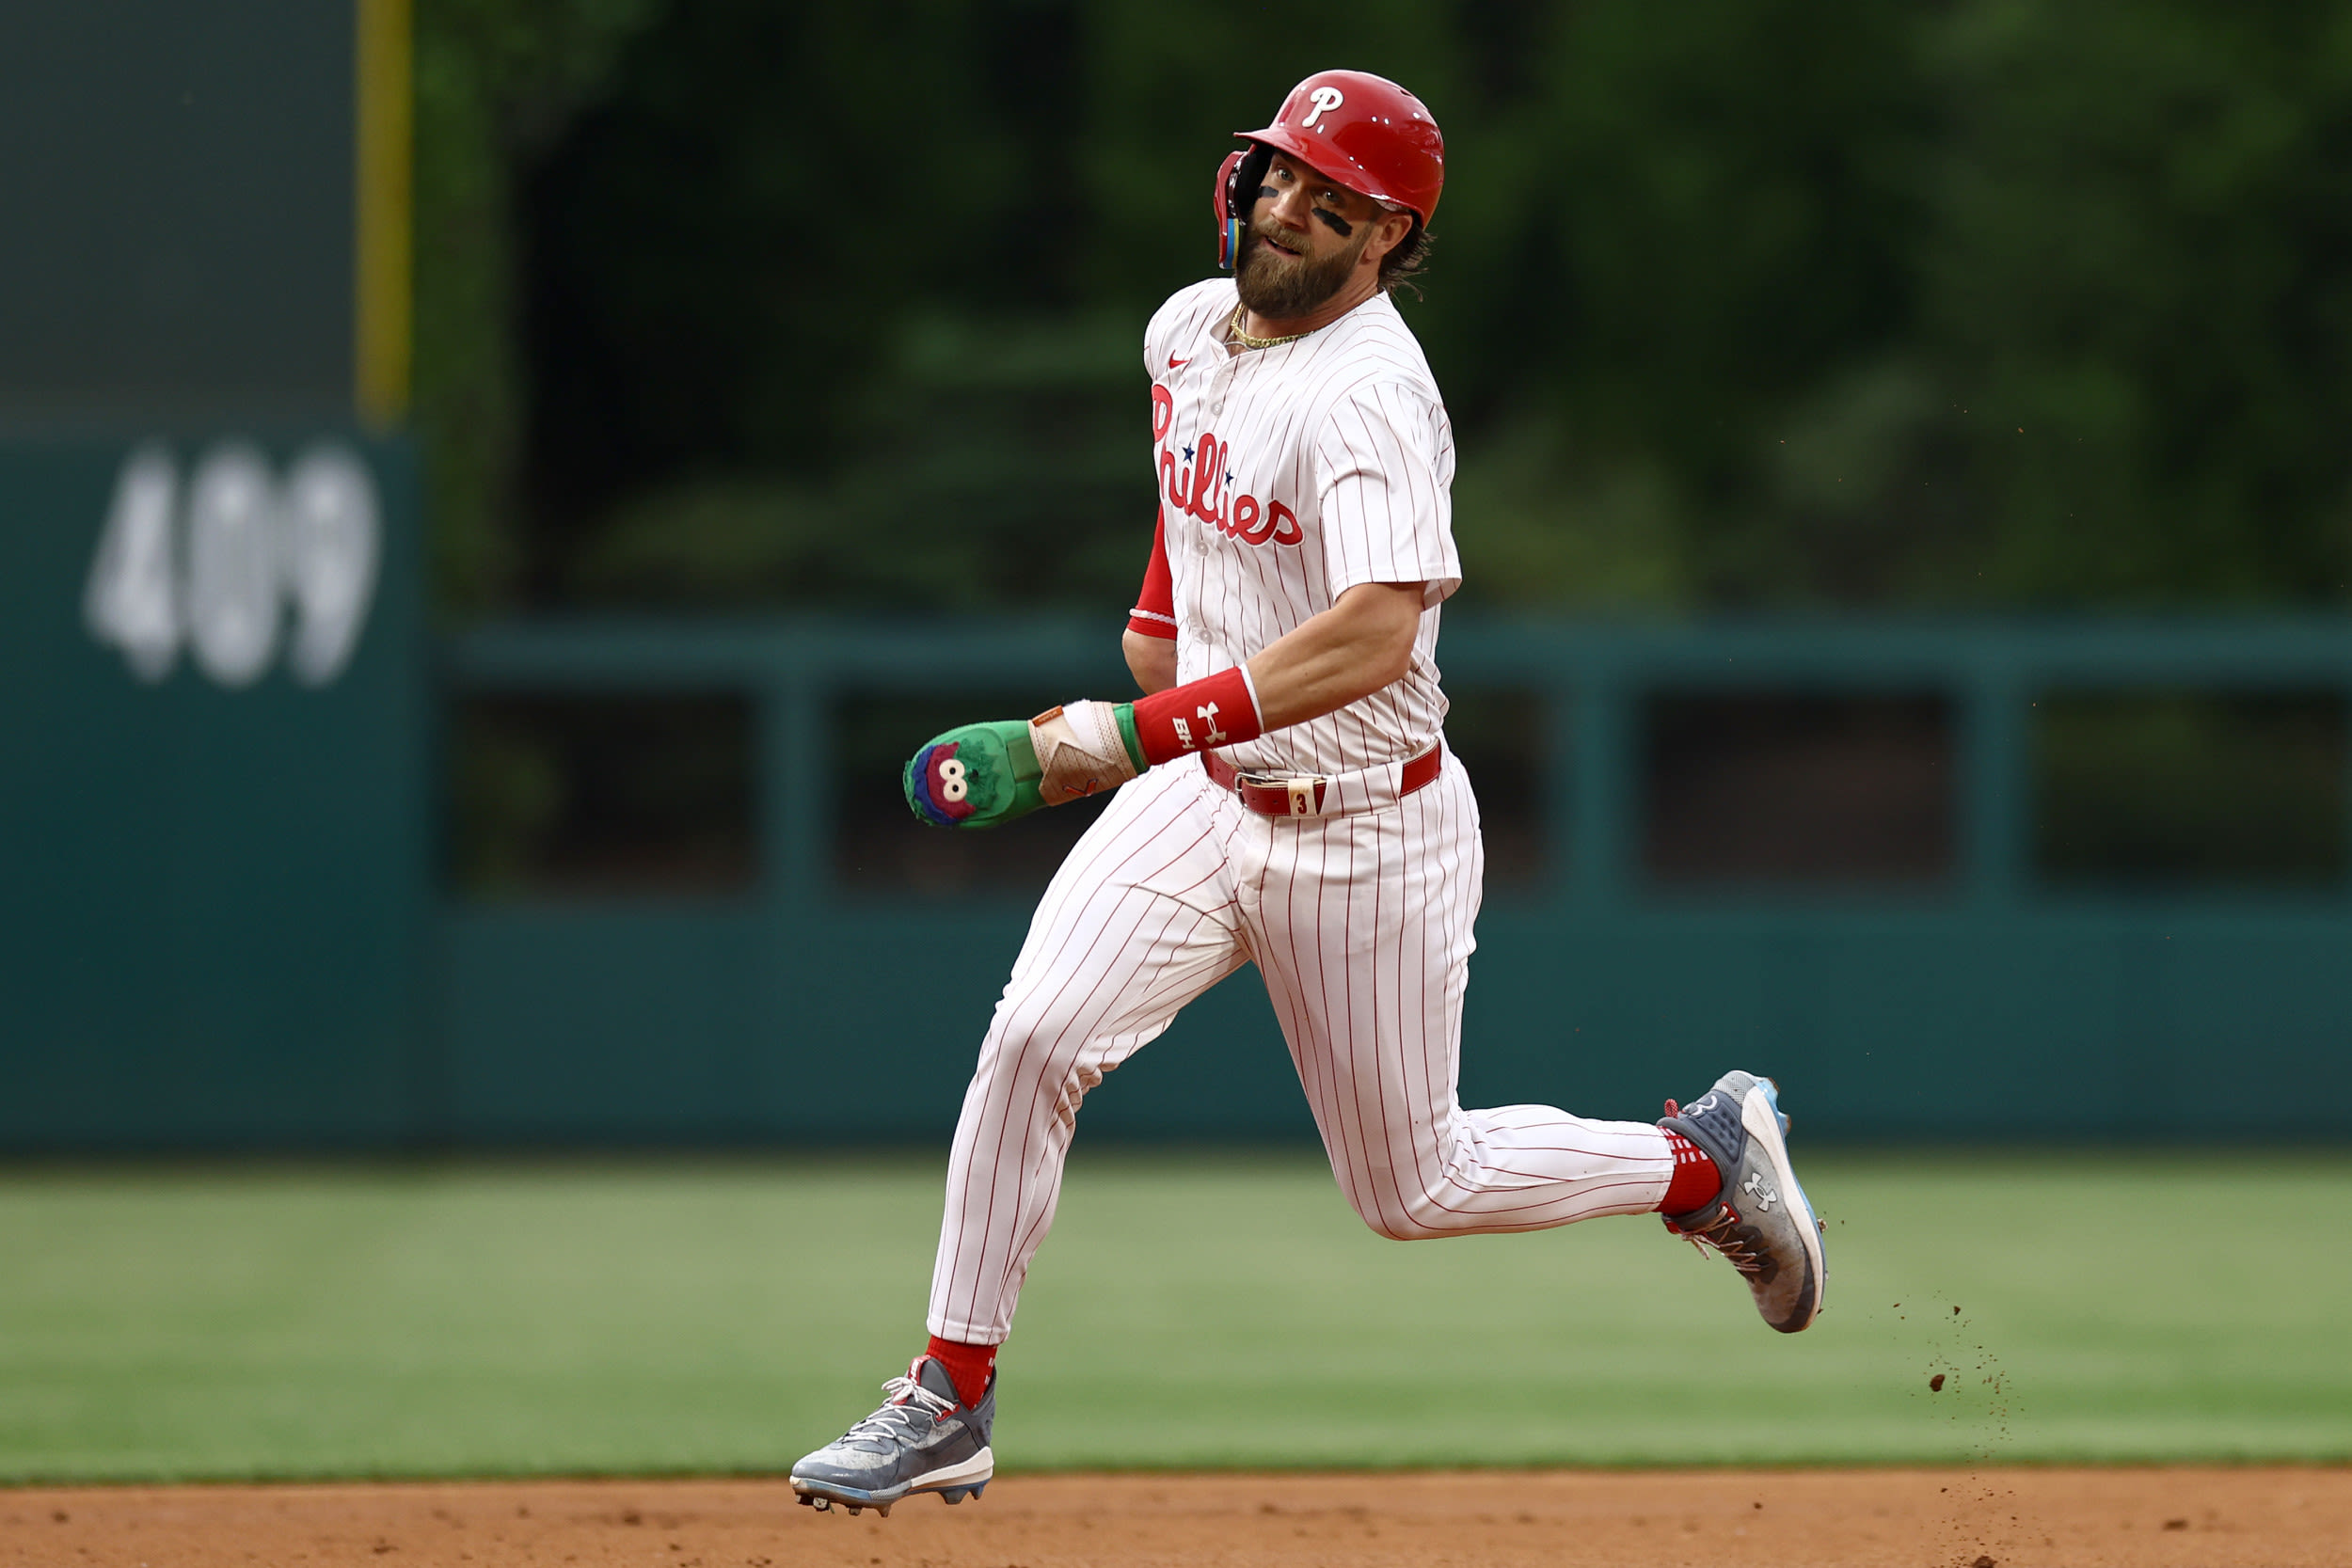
979	775
1150	659
1149	644
982	775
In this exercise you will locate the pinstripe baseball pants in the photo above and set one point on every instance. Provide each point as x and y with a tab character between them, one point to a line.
1361	928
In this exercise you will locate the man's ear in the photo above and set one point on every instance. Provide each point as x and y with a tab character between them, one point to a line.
1393	229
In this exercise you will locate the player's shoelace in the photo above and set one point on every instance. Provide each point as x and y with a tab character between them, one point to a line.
1723	1233
903	1416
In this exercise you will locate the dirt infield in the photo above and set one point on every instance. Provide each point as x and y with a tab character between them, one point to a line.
2137	1518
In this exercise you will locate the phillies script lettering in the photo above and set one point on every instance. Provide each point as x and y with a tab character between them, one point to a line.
1196	483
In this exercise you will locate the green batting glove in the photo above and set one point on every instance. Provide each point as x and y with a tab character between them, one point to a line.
978	775
975	776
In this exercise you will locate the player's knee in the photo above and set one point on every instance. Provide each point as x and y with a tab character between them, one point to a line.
1026	1054
1023	1032
1390	1223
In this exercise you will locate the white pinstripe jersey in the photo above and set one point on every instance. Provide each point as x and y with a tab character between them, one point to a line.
1287	476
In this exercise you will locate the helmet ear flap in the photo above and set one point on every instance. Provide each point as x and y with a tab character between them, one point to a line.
1237	183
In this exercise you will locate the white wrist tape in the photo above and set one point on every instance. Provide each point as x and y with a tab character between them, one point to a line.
1079	752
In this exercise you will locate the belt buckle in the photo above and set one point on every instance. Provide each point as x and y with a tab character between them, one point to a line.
1304	791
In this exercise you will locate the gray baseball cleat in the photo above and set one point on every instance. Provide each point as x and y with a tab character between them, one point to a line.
921	1441
1760	1220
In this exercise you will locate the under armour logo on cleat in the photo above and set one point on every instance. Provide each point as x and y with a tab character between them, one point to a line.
1760	1190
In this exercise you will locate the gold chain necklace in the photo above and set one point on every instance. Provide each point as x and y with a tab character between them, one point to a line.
1248	341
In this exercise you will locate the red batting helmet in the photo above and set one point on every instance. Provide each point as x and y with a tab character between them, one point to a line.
1361	129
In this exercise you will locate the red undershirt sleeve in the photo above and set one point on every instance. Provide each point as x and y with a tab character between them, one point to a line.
1155	614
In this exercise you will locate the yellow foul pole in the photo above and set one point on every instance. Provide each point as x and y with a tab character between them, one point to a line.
384	242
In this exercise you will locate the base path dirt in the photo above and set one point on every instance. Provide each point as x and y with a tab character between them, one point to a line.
2039	1518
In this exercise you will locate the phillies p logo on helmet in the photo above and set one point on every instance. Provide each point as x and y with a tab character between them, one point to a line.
1325	99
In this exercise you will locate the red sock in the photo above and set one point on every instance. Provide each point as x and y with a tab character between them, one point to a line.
969	1365
1695	1180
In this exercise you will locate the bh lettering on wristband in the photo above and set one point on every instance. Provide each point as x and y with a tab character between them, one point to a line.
1200	716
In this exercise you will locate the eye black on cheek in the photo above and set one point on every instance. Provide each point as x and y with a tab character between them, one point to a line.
1339	225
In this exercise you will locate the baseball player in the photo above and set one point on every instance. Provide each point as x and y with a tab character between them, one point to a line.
1285	798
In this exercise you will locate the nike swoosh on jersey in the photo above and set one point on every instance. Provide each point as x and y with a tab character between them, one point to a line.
1174	363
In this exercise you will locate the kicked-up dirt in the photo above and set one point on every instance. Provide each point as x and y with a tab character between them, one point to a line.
2157	1517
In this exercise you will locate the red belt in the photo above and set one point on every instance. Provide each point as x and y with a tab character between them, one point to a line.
1301	794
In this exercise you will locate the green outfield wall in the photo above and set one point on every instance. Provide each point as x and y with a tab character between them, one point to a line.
215	803
1970	1003
236	914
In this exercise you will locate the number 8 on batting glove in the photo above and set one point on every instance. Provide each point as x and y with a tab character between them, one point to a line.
979	775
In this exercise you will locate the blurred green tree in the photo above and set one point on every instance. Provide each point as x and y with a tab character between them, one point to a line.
1994	302
496	82
2141	288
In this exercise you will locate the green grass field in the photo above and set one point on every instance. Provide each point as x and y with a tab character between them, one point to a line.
1211	1310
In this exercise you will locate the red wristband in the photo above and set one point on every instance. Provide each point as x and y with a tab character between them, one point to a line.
1216	710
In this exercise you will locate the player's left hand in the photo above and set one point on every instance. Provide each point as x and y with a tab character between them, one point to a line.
978	775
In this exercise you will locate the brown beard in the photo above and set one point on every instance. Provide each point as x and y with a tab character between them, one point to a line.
1278	285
